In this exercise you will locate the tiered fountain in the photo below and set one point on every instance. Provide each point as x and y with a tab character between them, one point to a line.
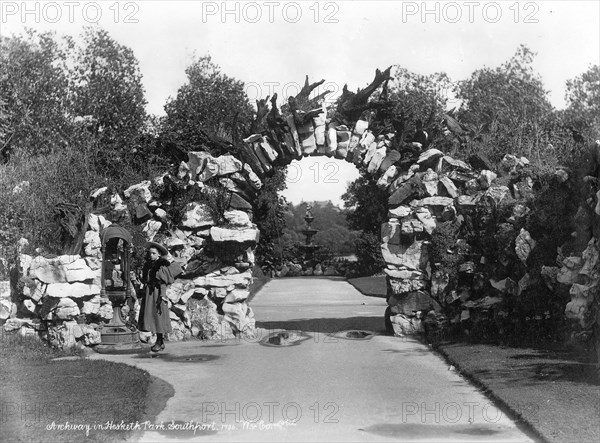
309	247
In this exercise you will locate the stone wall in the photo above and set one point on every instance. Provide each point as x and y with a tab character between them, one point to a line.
580	271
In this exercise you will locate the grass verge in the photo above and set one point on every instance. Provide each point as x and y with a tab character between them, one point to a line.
39	393
259	279
370	286
550	392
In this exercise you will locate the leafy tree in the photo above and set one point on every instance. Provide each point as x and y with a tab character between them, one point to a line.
368	254
209	104
583	103
419	98
58	156
34	99
368	210
507	108
106	86
367	205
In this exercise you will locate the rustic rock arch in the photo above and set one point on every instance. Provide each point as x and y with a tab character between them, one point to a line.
214	237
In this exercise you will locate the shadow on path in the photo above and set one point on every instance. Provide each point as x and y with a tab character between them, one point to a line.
327	325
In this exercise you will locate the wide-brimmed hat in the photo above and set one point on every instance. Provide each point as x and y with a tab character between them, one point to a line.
160	248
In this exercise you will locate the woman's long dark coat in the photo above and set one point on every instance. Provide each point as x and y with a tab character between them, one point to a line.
154	316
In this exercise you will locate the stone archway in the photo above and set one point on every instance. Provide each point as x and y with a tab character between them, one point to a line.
210	299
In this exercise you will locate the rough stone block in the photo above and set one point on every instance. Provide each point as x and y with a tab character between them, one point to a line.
413	256
410	302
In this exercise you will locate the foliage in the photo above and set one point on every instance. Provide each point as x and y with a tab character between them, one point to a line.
55	156
270	219
507	109
106	84
34	98
368	254
367	204
419	97
210	102
583	103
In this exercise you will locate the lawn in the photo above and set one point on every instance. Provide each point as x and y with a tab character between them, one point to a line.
39	393
551	392
371	286
259	279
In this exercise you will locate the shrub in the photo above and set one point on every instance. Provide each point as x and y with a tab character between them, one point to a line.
368	254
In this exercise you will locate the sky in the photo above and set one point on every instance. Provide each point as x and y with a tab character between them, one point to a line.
273	45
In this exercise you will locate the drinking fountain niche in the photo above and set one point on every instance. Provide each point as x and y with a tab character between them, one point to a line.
117	336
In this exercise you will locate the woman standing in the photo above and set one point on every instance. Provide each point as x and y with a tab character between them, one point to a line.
157	274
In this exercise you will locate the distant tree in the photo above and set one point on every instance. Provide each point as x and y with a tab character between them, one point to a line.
367	210
330	221
210	102
367	205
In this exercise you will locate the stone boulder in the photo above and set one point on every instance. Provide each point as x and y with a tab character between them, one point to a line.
87	334
237	295
179	289
409	303
213	280
7	309
62	336
237	218
524	244
406	325
413	256
206	323
222	165
72	290
248	235
197	215
430	182
66	309
241	318
139	193
91	306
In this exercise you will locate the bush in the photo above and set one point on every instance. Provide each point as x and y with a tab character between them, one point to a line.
32	186
368	254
